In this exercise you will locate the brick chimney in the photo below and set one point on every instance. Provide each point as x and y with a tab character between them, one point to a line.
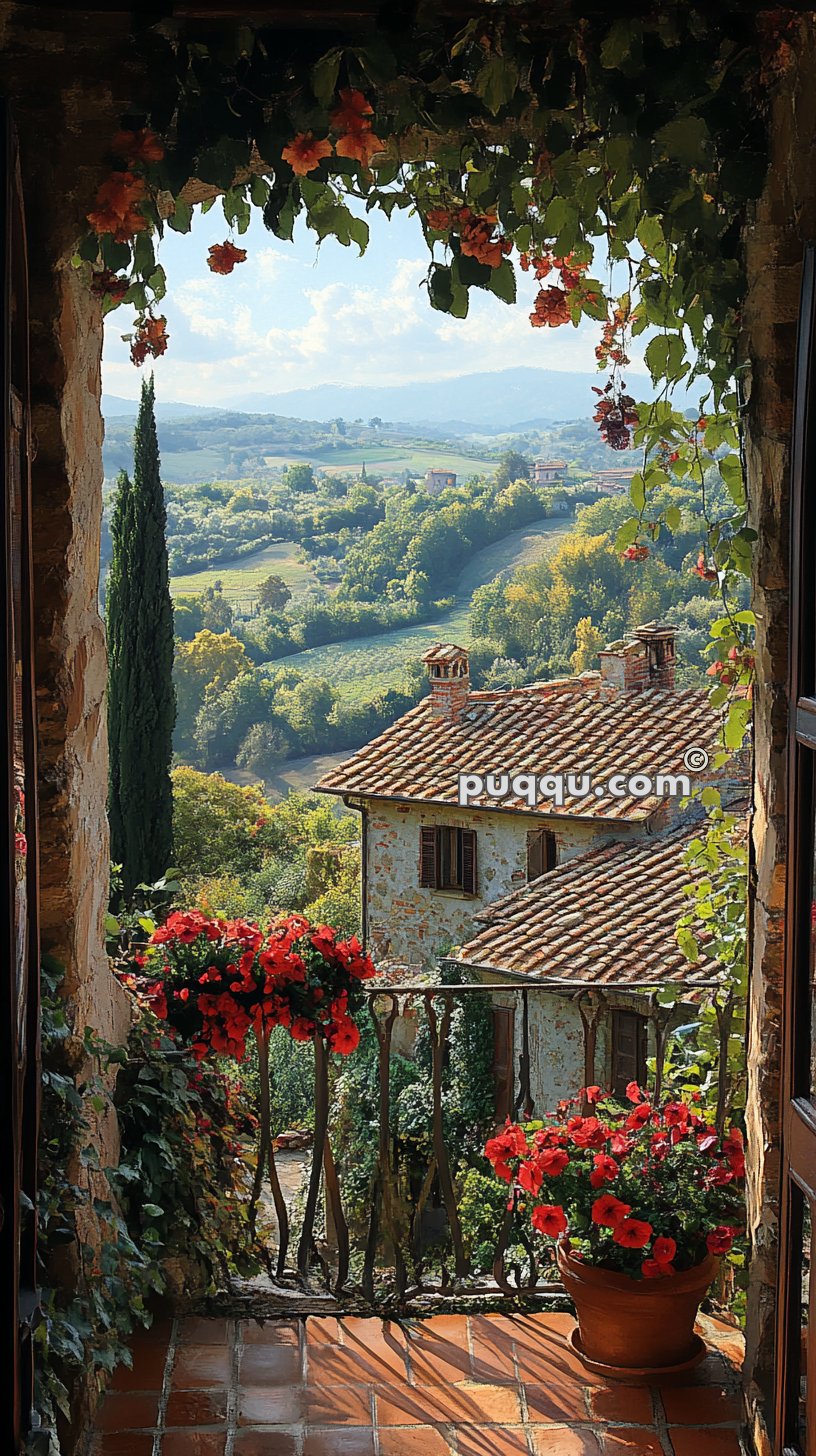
449	676
646	660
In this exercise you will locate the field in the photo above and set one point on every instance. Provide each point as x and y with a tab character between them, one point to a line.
369	665
389	460
240	579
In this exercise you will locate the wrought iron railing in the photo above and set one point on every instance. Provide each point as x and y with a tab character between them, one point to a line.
388	1254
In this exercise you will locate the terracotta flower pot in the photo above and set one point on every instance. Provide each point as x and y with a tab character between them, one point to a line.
635	1329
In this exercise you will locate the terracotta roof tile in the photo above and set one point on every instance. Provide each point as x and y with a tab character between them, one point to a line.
605	918
570	726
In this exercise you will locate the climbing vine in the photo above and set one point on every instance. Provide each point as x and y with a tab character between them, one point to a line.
603	166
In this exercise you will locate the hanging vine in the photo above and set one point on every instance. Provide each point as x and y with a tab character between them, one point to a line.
534	150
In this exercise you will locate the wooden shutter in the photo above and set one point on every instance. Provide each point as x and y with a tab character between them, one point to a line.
541	853
19	1023
628	1049
503	1078
469	861
428	859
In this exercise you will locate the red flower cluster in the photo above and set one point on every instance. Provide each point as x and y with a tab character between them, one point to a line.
117	209
645	1189
552	305
612	346
351	122
615	413
222	257
151	338
106	282
218	981
635	553
477	233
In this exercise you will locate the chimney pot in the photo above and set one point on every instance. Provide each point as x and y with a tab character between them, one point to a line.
646	660
449	676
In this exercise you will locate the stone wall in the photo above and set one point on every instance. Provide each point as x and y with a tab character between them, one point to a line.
784	220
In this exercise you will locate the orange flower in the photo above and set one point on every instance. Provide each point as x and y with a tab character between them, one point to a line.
351	115
551	309
305	152
110	283
224	256
117	207
138	146
361	146
438	220
151	338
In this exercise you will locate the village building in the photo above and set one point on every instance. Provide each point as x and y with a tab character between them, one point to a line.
437	480
432	863
549	472
593	941
610	482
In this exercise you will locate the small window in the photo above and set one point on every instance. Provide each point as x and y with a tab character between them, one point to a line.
628	1050
542	855
447	859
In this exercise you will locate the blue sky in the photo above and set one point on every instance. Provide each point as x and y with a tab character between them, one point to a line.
293	316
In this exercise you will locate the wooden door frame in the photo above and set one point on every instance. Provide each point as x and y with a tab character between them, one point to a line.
797	1112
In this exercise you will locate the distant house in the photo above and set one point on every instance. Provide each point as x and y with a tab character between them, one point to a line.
437	480
611	482
595	938
549	472
431	865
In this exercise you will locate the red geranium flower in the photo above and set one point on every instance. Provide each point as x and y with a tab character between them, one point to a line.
586	1132
634	1093
656	1269
553	1161
632	1233
530	1176
664	1249
720	1239
550	1219
609	1211
604	1170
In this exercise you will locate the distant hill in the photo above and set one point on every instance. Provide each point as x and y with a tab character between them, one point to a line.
113	407
490	402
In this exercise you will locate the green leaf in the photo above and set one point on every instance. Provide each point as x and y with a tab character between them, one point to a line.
152	1210
684	139
637	492
626	535
503	281
496	82
180	220
324	77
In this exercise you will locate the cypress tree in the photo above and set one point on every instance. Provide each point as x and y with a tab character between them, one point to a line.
141	696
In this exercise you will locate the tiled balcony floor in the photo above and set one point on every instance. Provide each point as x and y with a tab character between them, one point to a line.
477	1385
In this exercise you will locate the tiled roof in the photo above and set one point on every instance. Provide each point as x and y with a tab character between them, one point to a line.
605	918
569	726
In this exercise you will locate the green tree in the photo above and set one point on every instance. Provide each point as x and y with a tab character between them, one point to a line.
273	593
512	466
141	697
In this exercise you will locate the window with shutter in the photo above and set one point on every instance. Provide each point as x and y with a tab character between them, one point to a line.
428	858
628	1050
541	853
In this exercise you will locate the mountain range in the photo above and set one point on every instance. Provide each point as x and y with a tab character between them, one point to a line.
488	403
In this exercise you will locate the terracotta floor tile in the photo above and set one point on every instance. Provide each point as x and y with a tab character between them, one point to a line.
629	1403
634	1441
322	1330
493	1350
338	1405
481	1404
556	1402
686	1441
197	1367
270	1332
416	1441
147	1371
329	1364
273	1441
411	1405
128	1412
439	1354
197	1330
193	1443
258	1406
699	1405
123	1443
371	1334
331	1441
491	1441
196	1408
555	1441
270	1365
